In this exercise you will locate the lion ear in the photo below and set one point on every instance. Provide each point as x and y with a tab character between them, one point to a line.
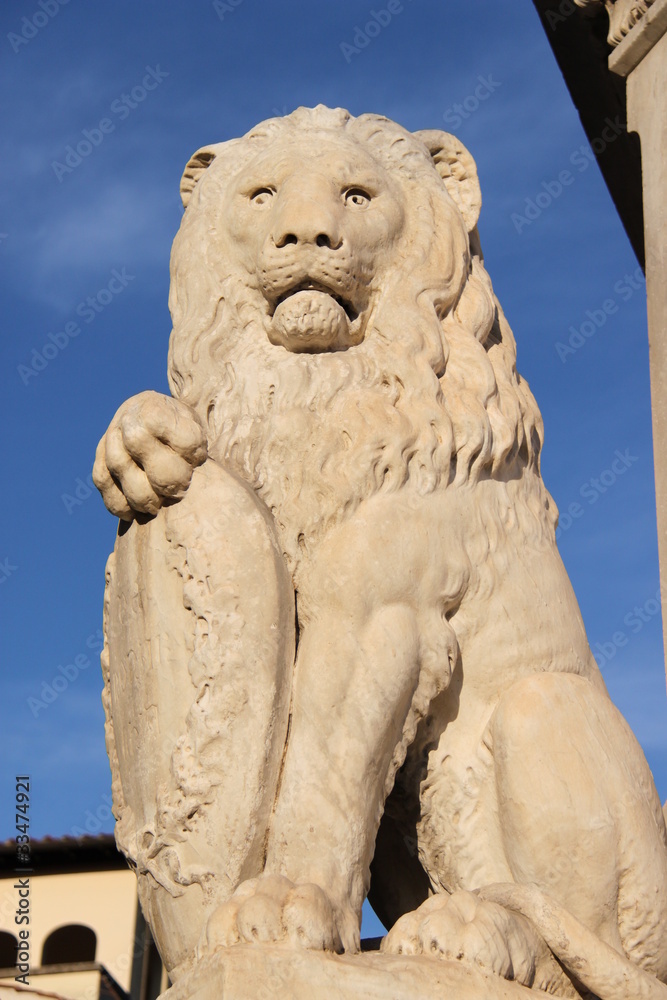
458	171
196	165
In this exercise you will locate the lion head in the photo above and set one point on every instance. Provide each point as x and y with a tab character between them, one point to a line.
334	325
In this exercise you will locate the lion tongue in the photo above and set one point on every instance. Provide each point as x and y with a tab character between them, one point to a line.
310	321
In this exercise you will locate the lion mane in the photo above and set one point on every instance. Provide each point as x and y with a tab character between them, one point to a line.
429	399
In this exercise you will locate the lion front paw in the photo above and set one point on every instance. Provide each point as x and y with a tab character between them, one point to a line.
148	454
272	908
466	928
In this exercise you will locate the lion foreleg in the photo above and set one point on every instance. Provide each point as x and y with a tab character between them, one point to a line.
354	687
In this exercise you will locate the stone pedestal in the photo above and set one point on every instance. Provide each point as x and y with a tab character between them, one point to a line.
263	972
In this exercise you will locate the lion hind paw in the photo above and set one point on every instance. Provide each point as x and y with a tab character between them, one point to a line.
466	928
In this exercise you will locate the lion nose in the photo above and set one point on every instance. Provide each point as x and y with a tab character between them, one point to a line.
304	221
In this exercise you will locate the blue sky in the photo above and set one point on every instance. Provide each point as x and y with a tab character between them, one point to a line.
101	230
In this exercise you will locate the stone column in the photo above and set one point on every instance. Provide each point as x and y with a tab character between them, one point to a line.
641	57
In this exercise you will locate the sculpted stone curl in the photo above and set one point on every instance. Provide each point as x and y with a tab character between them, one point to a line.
340	635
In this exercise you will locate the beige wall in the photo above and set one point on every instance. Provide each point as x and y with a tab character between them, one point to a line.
72	985
104	901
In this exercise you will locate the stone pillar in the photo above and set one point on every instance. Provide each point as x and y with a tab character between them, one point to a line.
641	57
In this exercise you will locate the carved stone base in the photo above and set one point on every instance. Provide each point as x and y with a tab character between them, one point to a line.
270	972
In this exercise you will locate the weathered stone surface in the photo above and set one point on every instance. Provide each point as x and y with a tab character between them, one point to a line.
337	614
250	973
623	15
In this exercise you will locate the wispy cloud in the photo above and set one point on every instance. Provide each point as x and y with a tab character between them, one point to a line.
120	224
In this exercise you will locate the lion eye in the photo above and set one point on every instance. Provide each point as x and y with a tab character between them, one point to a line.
262	196
357	197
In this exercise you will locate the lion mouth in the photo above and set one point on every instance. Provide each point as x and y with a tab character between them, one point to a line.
308	285
312	317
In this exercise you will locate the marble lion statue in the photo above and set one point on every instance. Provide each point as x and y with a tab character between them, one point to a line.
343	654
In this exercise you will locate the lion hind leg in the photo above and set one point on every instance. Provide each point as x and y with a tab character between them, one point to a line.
579	814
